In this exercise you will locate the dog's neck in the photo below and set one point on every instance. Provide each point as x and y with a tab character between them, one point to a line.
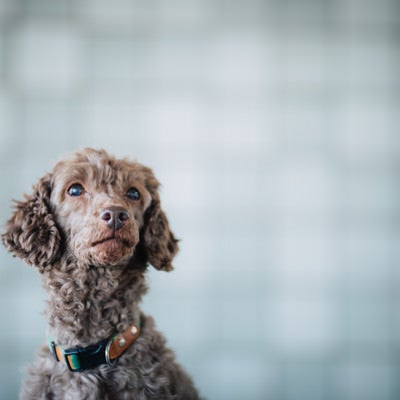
87	304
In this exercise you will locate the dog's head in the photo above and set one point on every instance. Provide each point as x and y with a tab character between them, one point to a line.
96	208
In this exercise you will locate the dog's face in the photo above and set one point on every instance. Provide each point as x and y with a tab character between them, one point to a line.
95	207
100	206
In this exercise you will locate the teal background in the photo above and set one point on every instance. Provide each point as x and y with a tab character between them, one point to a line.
274	128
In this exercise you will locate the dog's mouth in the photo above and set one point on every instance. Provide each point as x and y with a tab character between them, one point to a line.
113	240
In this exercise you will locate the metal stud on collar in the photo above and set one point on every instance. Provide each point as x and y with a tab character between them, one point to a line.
134	330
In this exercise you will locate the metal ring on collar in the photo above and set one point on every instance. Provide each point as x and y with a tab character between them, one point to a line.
110	363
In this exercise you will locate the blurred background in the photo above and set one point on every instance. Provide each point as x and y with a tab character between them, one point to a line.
273	126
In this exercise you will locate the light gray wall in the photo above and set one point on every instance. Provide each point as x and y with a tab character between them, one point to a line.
274	128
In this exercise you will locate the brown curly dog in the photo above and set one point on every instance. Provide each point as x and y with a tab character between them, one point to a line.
91	227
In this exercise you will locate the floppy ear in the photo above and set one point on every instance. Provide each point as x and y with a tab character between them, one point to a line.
159	243
31	233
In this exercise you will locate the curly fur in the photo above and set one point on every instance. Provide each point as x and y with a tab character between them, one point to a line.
94	288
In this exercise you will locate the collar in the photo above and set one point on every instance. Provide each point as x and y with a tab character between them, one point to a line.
106	351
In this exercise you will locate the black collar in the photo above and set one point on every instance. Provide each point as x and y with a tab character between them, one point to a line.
106	351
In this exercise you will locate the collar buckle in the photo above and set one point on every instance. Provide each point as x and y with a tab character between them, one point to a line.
79	359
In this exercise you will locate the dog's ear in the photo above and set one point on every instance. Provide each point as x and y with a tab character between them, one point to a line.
31	232
158	241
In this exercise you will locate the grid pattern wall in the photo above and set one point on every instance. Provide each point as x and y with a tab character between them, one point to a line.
274	128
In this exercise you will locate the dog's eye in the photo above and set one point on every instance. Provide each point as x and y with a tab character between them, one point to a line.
133	194
75	190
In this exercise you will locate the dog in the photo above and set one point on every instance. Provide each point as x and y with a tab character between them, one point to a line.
91	228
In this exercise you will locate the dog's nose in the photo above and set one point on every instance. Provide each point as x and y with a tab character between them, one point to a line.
114	217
